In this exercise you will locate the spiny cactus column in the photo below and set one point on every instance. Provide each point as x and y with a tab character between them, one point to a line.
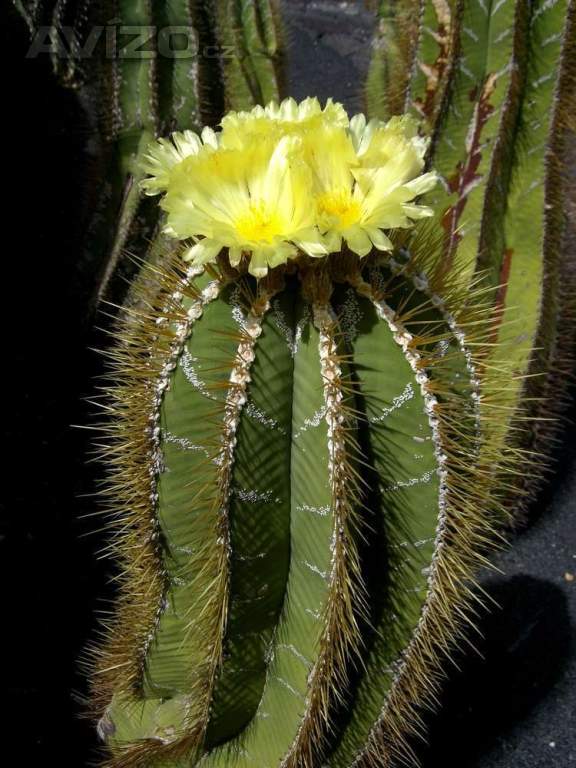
304	468
494	83
303	491
250	32
143	69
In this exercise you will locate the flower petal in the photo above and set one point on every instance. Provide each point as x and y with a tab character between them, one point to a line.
418	211
311	242
358	241
234	256
423	183
204	251
379	240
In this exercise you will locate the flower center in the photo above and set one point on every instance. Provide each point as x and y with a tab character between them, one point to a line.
259	224
338	209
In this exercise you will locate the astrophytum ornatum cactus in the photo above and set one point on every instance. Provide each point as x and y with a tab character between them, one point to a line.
493	82
301	474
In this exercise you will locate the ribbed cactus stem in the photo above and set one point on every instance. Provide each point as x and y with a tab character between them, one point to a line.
436	54
393	57
405	339
260	61
422	283
383	729
216	598
179	79
319	460
251	30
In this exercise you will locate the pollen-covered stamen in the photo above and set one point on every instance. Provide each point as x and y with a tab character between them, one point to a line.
259	223
338	210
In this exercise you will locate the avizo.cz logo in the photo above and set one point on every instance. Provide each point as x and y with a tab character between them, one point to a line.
123	41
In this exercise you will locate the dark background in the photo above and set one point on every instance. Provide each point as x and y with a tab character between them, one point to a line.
512	705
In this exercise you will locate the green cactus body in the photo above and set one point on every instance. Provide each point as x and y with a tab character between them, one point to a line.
537	284
460	82
135	121
515	230
249	30
470	123
435	54
305	475
179	82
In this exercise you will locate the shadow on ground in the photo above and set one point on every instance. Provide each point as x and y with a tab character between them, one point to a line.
523	648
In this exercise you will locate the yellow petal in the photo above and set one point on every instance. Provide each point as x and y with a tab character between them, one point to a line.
358	241
379	239
204	251
235	256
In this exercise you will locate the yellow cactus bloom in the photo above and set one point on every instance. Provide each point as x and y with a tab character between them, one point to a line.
288	179
255	200
366	180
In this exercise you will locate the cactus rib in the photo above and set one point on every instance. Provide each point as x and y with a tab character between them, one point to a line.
555	340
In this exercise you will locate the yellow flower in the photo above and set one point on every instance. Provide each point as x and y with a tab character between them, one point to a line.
376	142
366	181
287	179
254	200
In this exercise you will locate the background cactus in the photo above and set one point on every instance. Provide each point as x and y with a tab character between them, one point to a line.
135	89
494	82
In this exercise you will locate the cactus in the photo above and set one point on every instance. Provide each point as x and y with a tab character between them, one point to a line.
494	82
251	32
294	487
302	470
